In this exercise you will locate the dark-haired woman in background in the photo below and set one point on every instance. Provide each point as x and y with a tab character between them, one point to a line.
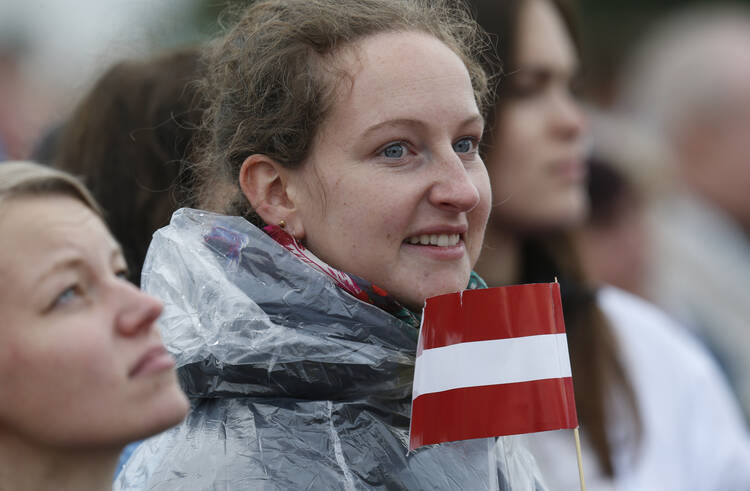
130	140
655	413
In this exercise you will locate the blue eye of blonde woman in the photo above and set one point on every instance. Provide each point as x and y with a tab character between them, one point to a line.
465	145
394	151
66	296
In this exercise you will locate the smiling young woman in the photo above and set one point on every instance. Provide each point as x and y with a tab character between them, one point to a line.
347	132
404	143
84	371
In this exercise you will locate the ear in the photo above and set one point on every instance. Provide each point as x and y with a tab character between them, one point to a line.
265	184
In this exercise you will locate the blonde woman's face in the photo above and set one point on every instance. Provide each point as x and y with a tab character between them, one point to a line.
395	191
80	359
536	164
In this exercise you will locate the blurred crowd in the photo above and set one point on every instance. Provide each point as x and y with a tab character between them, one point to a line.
639	204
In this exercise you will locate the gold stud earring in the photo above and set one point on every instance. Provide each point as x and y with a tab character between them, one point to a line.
282	223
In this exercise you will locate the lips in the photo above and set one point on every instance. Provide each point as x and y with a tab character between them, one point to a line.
570	169
154	360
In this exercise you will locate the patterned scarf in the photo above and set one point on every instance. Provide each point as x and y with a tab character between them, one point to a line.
354	285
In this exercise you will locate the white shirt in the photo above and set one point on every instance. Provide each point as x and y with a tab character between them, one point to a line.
694	437
699	274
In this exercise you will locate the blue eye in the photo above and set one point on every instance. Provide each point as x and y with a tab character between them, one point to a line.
465	145
394	151
68	295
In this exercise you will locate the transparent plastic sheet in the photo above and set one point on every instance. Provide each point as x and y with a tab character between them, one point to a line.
515	461
294	383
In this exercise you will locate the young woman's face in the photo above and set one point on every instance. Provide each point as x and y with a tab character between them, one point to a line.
394	190
536	162
80	361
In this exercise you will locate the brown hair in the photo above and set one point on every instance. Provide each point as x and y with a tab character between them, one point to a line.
500	19
29	179
130	139
598	372
273	78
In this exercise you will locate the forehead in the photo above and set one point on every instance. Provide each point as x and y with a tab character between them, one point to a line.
543	38
409	75
34	231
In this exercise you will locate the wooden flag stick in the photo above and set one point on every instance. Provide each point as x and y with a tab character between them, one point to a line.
580	460
577	437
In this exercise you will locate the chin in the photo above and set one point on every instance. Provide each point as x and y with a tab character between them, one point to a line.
170	409
446	286
576	215
577	207
564	214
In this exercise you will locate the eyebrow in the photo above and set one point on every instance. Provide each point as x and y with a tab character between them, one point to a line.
393	123
73	261
536	69
63	264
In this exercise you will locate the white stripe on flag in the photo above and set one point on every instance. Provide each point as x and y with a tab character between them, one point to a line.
498	361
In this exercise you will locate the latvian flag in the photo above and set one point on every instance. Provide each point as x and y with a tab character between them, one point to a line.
492	362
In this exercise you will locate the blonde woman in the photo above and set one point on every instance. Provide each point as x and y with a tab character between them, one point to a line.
83	369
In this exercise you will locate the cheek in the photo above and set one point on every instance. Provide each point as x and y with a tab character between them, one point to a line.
515	181
357	209
68	382
520	130
482	183
512	172
480	214
341	231
24	350
59	374
78	351
77	365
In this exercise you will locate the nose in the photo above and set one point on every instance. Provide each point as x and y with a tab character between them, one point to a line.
569	121
453	188
137	310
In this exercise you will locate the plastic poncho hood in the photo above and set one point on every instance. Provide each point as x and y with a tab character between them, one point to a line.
294	383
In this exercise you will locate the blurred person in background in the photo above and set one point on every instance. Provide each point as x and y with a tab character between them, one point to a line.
83	369
23	110
130	140
689	83
613	241
655	412
626	171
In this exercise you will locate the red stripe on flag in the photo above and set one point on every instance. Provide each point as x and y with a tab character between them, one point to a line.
493	410
492	313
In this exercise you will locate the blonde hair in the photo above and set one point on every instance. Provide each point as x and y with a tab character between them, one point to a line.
29	179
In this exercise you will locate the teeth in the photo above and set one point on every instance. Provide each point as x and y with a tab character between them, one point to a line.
440	240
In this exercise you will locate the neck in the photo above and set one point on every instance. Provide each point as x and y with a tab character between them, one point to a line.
500	261
28	466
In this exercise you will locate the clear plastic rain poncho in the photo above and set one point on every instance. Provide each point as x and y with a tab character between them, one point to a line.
294	383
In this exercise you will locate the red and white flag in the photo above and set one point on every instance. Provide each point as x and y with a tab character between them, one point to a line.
492	362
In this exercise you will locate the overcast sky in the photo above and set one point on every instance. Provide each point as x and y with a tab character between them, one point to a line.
73	40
